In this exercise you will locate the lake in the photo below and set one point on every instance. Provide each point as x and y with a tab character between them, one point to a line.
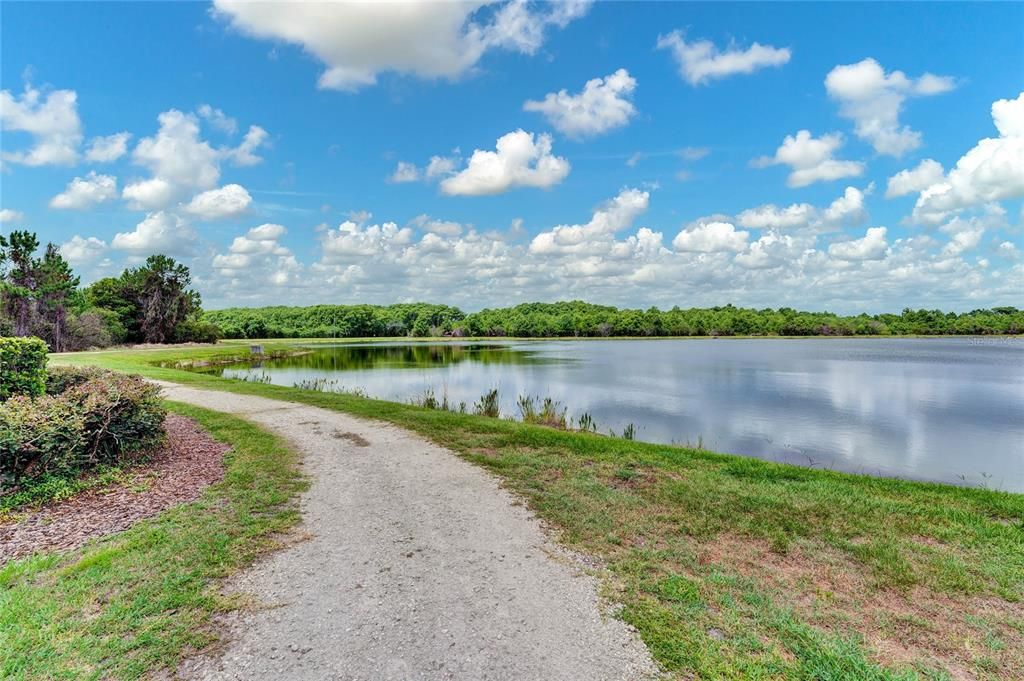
941	409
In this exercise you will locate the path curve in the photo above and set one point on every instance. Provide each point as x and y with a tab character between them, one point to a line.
418	566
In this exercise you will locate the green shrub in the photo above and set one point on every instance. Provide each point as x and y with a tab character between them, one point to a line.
59	379
40	436
123	415
93	418
22	366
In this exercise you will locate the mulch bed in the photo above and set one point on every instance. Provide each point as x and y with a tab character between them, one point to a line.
176	473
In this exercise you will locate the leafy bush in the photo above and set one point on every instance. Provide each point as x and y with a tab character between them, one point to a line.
37	437
60	379
92	418
22	366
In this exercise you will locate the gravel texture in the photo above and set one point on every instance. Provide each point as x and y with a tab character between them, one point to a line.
175	473
418	565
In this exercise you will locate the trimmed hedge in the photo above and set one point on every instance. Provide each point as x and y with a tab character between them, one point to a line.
22	366
93	417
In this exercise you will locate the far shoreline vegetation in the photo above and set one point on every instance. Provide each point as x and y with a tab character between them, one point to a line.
578	319
155	304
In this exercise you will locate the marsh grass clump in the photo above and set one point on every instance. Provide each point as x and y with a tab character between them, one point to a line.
527	409
551	412
325	385
586	423
320	384
427	400
263	378
488	404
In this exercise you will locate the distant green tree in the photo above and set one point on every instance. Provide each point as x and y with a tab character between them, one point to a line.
165	301
152	303
56	283
18	285
120	295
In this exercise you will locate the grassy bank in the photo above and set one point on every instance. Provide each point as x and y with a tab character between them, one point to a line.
134	602
739	568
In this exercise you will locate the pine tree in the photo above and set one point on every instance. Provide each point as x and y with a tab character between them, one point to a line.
18	285
56	282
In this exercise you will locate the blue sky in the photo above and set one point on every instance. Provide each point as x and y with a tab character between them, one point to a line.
283	153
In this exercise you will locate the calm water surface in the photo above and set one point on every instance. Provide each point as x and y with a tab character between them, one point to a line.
949	410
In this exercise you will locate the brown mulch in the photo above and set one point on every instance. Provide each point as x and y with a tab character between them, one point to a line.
175	473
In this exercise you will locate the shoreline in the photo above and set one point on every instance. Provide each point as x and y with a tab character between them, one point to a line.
172	368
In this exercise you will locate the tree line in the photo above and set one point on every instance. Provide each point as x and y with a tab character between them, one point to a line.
580	319
40	296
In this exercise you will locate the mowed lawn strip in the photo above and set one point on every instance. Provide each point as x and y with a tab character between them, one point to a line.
136	601
732	567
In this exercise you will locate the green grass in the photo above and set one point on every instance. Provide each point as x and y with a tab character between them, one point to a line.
57	488
732	567
136	601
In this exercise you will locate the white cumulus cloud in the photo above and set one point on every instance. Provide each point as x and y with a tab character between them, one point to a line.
78	250
770	216
991	171
52	121
711	237
244	154
257	258
159	232
848	209
1008	250
228	201
8	215
772	250
602	105
701	61
86	192
610	218
873	99
872	246
440	166
108	149
181	162
357	41
520	159
218	119
354	239
147	194
405	172
442	227
811	159
923	175
177	156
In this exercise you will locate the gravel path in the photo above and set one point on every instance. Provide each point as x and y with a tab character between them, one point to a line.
418	566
